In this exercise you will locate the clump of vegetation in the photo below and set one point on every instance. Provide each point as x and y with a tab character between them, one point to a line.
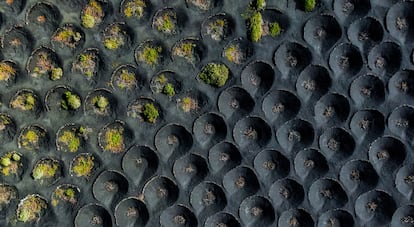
185	50
31	139
7	194
114	140
309	5
5	122
101	103
166	22
134	8
150	55
46	169
25	101
126	80
7	71
31	208
217	29
254	26
86	64
83	130
92	15
169	90
162	79
10	163
83	165
70	101
274	29
258	5
71	140
150	113
188	104
160	84
46	66
56	73
67	36
214	74
254	6
66	194
114	37
234	53
230	51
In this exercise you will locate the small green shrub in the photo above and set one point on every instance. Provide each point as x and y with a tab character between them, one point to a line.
214	74
217	29
10	163
309	5
166	23
83	165
30	102
274	29
30	140
127	80
64	195
46	169
234	54
188	104
25	102
70	101
70	139
150	55
135	8
56	73
92	14
258	5
114	39
67	36
255	26
185	50
150	112
88	21
114	140
169	90
31	208
7	71
100	102
112	44
162	79
87	64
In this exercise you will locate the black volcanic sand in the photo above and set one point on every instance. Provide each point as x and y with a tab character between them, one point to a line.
313	126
